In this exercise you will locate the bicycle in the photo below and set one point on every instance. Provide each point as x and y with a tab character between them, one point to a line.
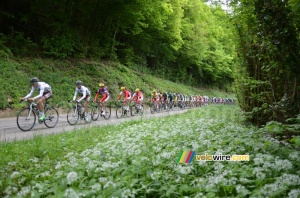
77	112
164	105
122	110
137	108
26	117
154	107
97	111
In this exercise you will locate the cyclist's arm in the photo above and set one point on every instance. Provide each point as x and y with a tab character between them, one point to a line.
75	94
41	93
31	92
83	95
96	96
103	97
121	93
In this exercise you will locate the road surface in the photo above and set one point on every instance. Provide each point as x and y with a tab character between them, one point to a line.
9	130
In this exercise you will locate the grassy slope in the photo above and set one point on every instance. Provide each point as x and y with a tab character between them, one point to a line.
61	75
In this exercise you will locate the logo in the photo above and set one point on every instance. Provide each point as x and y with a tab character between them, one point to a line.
188	156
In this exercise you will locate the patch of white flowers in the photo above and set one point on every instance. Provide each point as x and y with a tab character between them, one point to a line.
72	177
141	155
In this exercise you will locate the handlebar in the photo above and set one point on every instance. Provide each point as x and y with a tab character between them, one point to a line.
31	103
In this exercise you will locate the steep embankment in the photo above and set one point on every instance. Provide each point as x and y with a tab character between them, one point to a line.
61	75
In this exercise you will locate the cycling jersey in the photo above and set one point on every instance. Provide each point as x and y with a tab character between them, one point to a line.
171	97
126	93
138	96
105	95
155	97
43	87
84	91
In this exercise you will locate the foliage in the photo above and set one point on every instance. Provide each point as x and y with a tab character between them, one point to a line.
183	40
138	159
290	130
267	82
61	76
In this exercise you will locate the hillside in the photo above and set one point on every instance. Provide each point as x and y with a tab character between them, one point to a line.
61	75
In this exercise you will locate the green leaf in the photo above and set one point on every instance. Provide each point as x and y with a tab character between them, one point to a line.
297	141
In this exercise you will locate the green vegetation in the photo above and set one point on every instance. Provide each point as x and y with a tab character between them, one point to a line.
138	158
183	41
255	44
268	76
62	75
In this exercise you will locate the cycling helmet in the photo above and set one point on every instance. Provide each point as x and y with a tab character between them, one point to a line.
101	85
34	80
137	89
153	91
122	88
78	82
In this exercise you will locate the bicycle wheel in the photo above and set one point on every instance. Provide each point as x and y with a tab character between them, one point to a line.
132	110
120	112
72	116
107	112
141	110
88	116
95	113
26	119
51	119
152	108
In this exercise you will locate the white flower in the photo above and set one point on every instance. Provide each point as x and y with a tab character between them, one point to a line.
34	160
15	174
295	193
289	179
24	191
258	161
102	179
127	193
72	177
96	187
155	175
58	165
45	174
185	169
12	164
294	156
109	183
283	164
70	193
8	190
242	190
39	187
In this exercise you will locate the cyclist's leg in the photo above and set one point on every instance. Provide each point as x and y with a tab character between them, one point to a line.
40	105
104	100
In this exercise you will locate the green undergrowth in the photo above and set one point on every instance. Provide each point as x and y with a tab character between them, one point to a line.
139	159
62	75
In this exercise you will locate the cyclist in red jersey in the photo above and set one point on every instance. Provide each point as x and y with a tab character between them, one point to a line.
124	92
105	96
137	96
127	96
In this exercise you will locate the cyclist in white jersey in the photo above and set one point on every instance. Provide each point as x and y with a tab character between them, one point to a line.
45	94
84	91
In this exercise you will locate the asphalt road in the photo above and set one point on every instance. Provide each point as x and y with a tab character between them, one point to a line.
9	130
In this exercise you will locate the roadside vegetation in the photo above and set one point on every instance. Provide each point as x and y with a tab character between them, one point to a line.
138	159
62	75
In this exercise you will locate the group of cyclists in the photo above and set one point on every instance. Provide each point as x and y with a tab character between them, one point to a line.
82	93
